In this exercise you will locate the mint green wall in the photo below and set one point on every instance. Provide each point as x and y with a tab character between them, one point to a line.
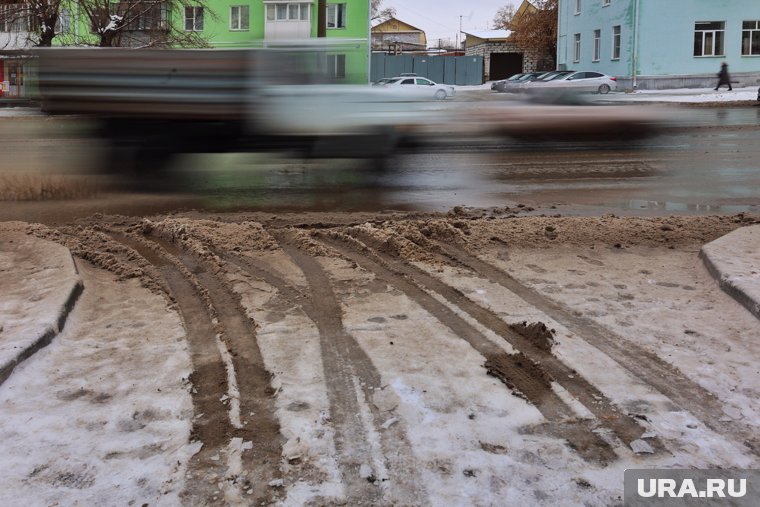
667	45
596	16
665	39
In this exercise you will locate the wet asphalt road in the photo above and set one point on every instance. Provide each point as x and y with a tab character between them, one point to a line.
707	162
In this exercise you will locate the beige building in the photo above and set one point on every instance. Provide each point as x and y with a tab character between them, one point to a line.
395	37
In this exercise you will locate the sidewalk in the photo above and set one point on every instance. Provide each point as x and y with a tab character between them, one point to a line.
684	95
675	96
39	286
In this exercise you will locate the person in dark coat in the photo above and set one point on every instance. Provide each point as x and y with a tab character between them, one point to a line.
723	77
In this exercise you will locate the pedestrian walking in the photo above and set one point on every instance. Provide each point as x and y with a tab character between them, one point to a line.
723	77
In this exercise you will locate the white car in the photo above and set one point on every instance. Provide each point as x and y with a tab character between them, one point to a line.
417	87
584	81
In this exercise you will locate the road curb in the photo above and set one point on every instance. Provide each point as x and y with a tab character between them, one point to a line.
50	331
734	261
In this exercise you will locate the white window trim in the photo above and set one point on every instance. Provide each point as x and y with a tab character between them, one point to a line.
576	48
196	9
271	6
597	56
713	31
240	18
345	20
618	43
753	32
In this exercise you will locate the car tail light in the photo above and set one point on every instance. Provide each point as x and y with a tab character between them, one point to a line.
614	78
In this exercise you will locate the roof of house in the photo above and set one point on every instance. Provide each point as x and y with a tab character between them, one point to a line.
489	34
408	27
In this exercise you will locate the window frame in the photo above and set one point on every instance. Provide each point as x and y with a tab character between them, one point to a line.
17	18
194	18
337	11
241	20
577	7
617	38
337	65
63	23
752	35
576	47
606	3
152	16
274	9
597	56
718	38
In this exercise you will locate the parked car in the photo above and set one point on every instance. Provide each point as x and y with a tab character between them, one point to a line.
584	81
500	85
542	79
513	82
418	87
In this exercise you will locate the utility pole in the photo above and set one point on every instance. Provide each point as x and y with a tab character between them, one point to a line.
321	18
460	30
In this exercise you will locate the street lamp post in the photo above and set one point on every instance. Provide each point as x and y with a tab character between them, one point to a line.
460	31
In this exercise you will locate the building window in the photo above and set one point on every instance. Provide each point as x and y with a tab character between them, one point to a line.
288	11
597	45
149	16
63	25
616	42
17	18
751	38
193	19
239	17
577	6
577	47
605	3
336	66
336	16
708	38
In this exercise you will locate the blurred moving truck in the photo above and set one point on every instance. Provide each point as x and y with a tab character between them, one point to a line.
150	104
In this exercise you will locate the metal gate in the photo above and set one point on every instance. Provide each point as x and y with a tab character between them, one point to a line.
455	70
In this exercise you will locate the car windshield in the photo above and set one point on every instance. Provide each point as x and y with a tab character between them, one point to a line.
527	77
548	76
516	77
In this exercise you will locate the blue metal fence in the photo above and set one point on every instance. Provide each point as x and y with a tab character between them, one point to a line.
456	70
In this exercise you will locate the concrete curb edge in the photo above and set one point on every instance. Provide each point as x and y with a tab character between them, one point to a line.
46	337
728	286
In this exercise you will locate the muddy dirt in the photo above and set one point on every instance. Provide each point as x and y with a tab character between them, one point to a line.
442	359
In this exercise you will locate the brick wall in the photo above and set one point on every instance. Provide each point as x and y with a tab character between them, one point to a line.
533	60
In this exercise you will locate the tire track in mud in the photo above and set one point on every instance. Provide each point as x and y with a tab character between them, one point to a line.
646	366
608	414
518	372
219	427
351	380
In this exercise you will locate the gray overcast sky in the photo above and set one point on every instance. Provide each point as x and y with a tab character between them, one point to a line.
439	19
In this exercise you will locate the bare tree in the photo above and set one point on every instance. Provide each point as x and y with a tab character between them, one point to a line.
144	23
536	29
29	23
502	20
377	13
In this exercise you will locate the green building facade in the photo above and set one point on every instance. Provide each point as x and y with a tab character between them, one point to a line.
223	24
